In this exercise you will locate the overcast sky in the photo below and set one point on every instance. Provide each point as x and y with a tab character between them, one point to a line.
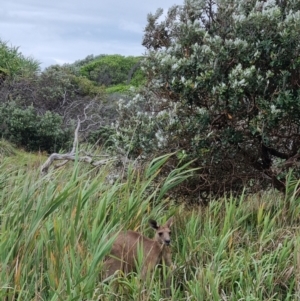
62	31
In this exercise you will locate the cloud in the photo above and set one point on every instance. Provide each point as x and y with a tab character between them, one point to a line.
60	31
131	26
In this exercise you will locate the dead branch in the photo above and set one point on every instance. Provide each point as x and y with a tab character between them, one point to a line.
72	156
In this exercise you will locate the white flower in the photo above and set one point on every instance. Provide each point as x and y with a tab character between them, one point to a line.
274	110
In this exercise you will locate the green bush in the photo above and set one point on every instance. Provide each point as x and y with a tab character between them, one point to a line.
223	87
113	70
26	128
101	136
120	88
60	90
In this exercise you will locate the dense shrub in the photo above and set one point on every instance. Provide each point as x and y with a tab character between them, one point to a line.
101	136
58	89
223	88
26	128
113	70
61	90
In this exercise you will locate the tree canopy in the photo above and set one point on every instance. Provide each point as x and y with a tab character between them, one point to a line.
223	87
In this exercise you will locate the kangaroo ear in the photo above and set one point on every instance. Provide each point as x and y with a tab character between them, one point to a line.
153	224
169	222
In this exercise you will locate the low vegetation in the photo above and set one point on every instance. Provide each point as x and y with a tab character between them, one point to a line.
39	108
26	128
14	64
56	231
219	88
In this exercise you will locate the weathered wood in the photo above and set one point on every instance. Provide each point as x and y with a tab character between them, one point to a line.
72	156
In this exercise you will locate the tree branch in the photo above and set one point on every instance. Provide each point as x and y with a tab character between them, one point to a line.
71	156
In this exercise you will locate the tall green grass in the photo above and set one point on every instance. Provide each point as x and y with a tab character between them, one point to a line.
55	232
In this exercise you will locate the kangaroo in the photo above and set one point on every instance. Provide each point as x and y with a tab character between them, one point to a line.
124	252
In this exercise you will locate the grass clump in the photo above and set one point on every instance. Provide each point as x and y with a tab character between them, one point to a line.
56	231
6	148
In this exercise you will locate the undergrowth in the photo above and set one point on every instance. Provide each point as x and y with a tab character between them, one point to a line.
56	231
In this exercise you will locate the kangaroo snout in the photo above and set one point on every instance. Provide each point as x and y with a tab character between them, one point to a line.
167	242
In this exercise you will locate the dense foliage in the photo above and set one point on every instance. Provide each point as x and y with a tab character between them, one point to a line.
223	89
58	91
223	86
116	69
13	63
87	89
26	128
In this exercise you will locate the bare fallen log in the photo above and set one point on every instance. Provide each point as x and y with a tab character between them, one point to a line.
72	156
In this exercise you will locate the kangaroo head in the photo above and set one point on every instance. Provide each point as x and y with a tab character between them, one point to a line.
163	233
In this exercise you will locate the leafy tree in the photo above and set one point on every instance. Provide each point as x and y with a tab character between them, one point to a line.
223	86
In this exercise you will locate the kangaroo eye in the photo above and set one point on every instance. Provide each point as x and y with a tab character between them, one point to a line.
160	234
170	233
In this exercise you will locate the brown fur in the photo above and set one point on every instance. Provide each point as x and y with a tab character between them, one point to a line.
124	252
